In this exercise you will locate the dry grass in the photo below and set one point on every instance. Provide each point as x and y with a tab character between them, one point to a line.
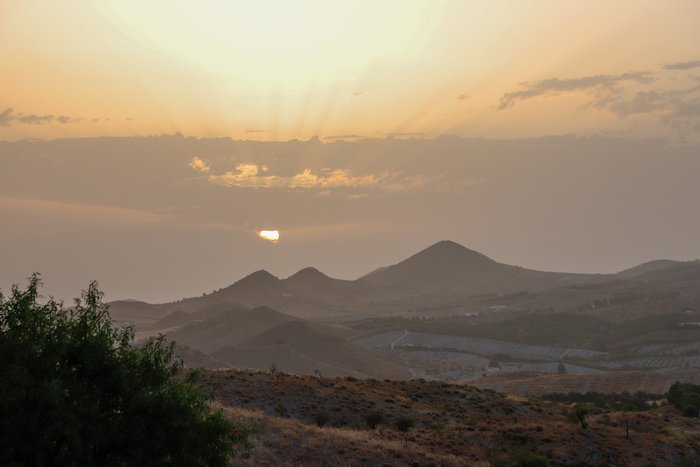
279	441
454	425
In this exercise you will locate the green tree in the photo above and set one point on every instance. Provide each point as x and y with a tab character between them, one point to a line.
76	391
579	413
374	419
685	397
690	410
404	425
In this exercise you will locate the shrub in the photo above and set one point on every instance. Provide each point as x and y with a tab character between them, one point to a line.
281	409
373	419
76	391
404	424
531	459
579	413
321	418
685	395
690	410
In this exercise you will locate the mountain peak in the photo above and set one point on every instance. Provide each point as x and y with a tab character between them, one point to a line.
447	245
445	262
306	274
448	248
260	277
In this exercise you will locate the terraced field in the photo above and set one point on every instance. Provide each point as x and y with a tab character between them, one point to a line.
651	362
475	345
669	349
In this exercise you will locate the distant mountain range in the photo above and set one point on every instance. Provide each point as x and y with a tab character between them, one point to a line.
300	324
443	275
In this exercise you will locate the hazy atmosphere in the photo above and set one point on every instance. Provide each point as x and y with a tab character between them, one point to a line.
573	132
159	218
357	233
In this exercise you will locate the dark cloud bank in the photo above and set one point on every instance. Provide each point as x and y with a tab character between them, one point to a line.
136	214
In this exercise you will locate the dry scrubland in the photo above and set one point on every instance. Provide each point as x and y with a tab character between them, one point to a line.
454	425
535	384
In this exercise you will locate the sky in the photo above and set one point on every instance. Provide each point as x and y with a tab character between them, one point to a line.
147	144
278	70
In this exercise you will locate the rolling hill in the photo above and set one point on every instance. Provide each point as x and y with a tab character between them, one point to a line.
229	328
305	348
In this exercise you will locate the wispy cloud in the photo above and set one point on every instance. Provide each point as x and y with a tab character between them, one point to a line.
66	119
624	95
683	65
685	115
642	102
8	117
601	84
34	119
679	108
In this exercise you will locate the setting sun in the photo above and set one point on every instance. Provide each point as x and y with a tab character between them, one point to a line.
271	235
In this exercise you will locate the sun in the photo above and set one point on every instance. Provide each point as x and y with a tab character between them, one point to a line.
269	235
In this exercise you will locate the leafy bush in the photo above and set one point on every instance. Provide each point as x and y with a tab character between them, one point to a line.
404	424
683	396
76	391
373	419
281	409
579	413
321	418
690	410
531	459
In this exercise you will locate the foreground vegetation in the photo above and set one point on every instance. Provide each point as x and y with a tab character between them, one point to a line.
76	391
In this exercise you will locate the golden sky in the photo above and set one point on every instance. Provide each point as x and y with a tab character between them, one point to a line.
278	70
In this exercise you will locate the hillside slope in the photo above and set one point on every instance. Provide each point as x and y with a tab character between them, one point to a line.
447	264
229	329
453	425
305	348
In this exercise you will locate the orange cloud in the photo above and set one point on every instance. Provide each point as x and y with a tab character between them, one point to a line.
247	175
199	165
